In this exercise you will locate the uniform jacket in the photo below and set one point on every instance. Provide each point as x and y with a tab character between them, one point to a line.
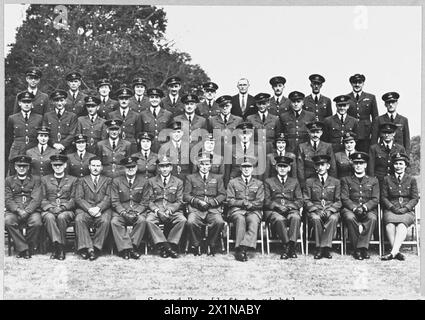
182	165
87	196
318	197
76	105
162	198
112	157
284	105
56	195
40	103
63	130
402	134
217	126
250	106
193	131
106	108
379	163
344	166
335	130
131	125
271	125
404	194
238	192
271	163
212	191
24	133
288	194
295	129
40	164
146	167
26	195
365	110
217	165
155	125
321	110
355	193
95	131
125	198
204	110
77	167
176	109
137	106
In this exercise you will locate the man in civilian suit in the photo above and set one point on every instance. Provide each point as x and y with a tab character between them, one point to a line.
243	104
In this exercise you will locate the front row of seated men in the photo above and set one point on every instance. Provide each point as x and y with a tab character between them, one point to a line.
145	204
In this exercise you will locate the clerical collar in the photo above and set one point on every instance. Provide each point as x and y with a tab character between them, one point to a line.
360	176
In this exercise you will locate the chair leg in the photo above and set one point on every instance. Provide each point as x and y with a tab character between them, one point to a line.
302	239
268	238
9	244
227	237
262	237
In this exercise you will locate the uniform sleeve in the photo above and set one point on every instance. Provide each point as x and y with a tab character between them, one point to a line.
269	204
115	196
175	206
332	169
106	201
45	203
300	165
371	162
374	108
79	127
72	131
70	203
148	196
16	107
310	206
10	203
187	193
345	195
298	196
406	137
258	203
337	204
375	131
374	200
221	192
328	108
35	197
414	195
231	196
385	195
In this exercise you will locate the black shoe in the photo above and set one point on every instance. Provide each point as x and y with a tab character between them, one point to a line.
239	255
284	254
125	254
24	254
327	253
319	254
365	254
173	254
196	251
54	254
400	256
92	255
84	254
357	255
387	257
61	253
245	256
212	251
134	254
291	251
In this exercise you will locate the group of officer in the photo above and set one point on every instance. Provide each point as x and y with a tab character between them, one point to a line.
151	161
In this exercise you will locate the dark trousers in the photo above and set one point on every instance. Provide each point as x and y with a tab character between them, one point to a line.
175	223
83	221
363	145
195	222
246	229
124	239
33	226
56	225
324	231
280	224
368	221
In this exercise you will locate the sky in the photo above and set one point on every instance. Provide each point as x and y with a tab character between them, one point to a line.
258	42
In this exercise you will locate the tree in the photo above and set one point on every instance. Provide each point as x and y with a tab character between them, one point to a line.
415	155
118	42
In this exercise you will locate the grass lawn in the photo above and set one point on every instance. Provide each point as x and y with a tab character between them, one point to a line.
219	277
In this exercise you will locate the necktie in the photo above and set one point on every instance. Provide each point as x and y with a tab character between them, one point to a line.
104	100
387	147
165	181
26	117
146	155
81	156
277	100
74	95
59	114
92	119
244	147
392	118
210	103
264	118
225	119
243	103
139	100
399	179
322	180
113	145
316	100
190	120
174	101
42	150
154	112
246	181
297	114
315	145
95	182
205	178
123	114
357	96
342	118
130	183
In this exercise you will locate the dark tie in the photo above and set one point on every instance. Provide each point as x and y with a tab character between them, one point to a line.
277	101
123	114
95	182
243	103
42	150
399	179
357	97
246	181
387	147
165	181
316	100
322	180
315	145
104	100
154	112
138	100
74	95
130	184
225	119
146	155
190	120
205	178
342	118
26	117
297	114
392	118
264	118
59	115
113	145
92	119
244	147
210	103
81	156
174	101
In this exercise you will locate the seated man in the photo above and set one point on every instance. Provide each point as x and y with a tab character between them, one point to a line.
164	194
245	196
22	199
283	200
58	204
94	202
322	201
204	192
128	210
360	198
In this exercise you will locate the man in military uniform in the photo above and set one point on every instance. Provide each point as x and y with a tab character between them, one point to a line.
380	154
146	163
280	150
164	195
131	123
245	197
40	102
317	103
278	103
344	166
58	204
217	160
360	198
172	101
209	107
94	210
283	201
113	149
307	150
363	107
154	119
22	126
340	123
267	125
129	209
139	101
204	193
40	154
75	97
107	105
322	196
78	162
92	125
243	103
22	198
402	134
63	123
294	121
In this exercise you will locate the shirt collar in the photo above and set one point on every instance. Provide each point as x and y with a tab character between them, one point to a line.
174	97
325	176
315	95
357	93
282	180
394	114
28	113
33	91
261	114
116	140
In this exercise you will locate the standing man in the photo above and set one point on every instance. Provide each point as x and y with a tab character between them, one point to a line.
243	104
317	103
62	123
402	134
58	204
278	103
322	196
139	101
245	197
172	101
363	107
75	98
40	102
107	105
41	153
129	209
204	192
294	121
340	123
78	162
92	125
164	195
22	198
155	119
307	150
209	107
267	125
283	200
113	149
360	198
93	210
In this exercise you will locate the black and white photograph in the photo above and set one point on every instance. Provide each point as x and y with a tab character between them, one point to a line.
212	152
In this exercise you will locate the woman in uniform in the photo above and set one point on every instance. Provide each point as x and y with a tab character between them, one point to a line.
344	167
146	165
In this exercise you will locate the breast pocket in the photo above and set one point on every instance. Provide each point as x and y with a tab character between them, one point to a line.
239	194
171	194
252	194
212	188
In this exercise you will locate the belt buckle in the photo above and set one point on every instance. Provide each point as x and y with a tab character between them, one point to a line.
58	201
400	200
114	166
59	137
27	140
123	135
24	199
323	202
